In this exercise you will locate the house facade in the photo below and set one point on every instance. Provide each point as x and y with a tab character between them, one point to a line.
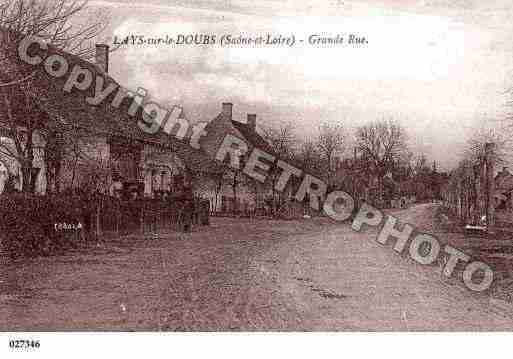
232	191
103	147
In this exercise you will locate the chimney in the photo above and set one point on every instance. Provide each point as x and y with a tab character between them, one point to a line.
227	110
102	57
252	121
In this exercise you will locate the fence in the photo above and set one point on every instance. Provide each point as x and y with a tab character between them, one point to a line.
33	225
120	217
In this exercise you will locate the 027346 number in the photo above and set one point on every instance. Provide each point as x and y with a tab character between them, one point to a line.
24	344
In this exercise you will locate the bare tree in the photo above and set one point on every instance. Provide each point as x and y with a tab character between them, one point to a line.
475	150
331	141
218	178
309	157
234	178
382	144
506	122
282	140
65	25
76	150
421	164
68	25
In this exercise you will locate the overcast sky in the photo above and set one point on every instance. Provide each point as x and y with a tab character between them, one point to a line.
438	66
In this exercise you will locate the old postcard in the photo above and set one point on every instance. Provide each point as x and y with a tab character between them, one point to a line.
192	166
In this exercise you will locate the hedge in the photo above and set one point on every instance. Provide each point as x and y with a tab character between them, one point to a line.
28	223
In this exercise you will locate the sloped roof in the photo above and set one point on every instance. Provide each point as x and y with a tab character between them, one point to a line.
223	124
256	140
253	137
216	131
71	108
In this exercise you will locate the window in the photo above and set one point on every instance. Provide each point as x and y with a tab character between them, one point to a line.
125	157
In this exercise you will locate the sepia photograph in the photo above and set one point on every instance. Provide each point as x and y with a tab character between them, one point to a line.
249	167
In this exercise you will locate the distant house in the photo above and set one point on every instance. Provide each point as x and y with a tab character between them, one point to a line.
233	191
118	150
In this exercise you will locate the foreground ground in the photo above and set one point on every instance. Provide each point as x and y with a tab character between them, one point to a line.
243	275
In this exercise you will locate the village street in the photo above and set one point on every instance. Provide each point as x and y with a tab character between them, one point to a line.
241	274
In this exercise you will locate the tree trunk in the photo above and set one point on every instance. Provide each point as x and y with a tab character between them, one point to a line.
234	189
73	173
26	171
380	191
274	206
217	191
477	194
33	178
57	177
216	200
27	165
490	185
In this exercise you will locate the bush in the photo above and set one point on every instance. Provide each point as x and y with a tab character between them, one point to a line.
27	224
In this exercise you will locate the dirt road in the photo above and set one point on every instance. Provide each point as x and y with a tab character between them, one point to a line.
241	275
207	280
345	280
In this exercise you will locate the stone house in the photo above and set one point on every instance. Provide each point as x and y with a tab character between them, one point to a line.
114	149
232	191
